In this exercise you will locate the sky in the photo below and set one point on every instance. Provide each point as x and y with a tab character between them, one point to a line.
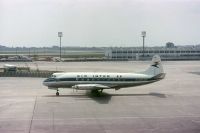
110	23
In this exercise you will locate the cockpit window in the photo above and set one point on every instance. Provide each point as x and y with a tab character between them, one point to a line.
50	80
53	76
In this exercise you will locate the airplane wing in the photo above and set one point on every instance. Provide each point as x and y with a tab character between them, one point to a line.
90	87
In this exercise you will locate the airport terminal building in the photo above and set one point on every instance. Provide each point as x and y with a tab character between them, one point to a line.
166	53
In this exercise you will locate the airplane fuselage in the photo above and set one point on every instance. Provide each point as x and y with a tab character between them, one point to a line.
96	81
111	80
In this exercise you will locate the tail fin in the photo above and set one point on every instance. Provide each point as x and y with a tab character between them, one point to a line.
156	67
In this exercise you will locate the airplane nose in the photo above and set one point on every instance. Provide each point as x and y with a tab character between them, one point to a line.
45	82
49	81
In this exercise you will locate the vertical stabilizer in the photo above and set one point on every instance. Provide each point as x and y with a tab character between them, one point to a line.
156	67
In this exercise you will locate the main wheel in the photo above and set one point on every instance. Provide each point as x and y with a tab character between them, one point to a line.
96	93
57	93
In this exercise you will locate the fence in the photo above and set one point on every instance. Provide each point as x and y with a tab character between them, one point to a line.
40	74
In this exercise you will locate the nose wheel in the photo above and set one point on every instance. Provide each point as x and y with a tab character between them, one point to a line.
57	93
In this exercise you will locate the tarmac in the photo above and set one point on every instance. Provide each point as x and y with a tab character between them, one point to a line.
171	105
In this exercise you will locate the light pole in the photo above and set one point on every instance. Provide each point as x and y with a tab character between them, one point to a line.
60	34
143	37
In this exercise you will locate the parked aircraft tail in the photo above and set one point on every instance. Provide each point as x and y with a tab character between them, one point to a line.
156	67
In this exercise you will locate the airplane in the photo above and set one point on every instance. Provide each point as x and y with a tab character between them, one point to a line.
10	67
98	81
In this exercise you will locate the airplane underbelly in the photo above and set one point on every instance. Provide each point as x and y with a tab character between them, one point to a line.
131	84
114	84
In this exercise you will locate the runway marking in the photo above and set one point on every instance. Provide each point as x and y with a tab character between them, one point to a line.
136	117
91	118
33	114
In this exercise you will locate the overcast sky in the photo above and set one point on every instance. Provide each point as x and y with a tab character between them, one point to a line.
99	22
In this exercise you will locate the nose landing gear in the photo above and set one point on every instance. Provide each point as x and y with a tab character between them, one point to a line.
57	93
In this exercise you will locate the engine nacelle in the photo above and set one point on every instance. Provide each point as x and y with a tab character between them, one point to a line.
83	87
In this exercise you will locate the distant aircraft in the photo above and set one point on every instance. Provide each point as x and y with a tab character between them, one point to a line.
97	81
10	67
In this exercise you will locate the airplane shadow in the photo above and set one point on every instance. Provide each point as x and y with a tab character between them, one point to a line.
159	95
197	73
105	98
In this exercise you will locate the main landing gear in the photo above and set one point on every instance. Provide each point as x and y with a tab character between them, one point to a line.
57	93
96	92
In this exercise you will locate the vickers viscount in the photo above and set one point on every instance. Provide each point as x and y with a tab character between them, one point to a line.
98	81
